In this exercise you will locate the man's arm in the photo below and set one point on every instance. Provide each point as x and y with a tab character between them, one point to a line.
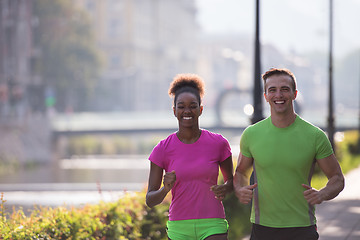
331	168
242	189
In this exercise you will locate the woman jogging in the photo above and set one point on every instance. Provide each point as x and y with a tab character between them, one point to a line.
191	158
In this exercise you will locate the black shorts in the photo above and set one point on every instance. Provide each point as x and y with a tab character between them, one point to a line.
294	233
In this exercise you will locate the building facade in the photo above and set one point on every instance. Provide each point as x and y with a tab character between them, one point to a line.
145	43
15	56
24	135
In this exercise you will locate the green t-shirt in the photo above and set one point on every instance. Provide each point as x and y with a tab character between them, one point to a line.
284	158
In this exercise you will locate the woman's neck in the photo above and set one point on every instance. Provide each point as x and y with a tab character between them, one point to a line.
188	135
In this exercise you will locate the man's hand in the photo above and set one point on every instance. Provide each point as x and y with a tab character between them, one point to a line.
312	195
245	194
169	180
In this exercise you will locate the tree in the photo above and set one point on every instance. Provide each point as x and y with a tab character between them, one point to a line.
69	60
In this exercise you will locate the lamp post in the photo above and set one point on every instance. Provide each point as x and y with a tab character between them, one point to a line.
358	145
257	94
330	127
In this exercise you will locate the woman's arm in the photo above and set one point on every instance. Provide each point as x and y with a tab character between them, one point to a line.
226	168
155	195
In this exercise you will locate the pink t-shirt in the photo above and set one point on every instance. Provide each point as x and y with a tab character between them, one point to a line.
197	169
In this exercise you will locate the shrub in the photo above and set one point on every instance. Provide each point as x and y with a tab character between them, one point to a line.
128	218
238	217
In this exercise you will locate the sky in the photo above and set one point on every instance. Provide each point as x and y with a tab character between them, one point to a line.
290	25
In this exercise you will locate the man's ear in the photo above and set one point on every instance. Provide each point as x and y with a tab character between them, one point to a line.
295	94
201	109
174	111
265	96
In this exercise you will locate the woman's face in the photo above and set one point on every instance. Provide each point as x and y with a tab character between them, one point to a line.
187	109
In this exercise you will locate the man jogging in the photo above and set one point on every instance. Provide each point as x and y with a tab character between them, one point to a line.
283	150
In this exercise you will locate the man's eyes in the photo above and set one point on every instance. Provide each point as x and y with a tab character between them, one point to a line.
272	90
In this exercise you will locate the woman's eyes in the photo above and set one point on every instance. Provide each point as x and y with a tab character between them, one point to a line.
191	106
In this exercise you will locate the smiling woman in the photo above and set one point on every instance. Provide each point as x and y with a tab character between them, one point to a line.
191	158
187	90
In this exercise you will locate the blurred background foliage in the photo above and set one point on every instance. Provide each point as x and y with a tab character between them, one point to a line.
70	60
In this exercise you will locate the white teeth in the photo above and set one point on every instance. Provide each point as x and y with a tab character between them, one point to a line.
279	102
187	118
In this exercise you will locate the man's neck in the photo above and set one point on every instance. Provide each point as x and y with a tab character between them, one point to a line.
283	120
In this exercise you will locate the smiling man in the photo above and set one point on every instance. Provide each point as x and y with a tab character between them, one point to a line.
283	150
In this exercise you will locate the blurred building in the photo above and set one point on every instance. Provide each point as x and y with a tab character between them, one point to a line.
15	55
144	44
23	135
225	63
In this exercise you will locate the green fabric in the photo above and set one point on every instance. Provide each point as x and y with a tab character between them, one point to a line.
196	229
283	160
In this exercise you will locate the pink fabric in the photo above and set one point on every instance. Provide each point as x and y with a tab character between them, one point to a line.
197	169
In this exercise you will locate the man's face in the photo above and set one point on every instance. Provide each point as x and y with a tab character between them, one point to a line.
279	93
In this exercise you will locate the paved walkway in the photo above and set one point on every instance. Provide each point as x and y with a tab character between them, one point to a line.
339	219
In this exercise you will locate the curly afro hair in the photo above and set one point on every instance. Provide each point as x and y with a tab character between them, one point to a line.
187	82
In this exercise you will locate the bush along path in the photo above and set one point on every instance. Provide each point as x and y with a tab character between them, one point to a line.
127	218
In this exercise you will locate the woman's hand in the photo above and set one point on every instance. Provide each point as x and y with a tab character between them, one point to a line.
220	191
155	195
169	180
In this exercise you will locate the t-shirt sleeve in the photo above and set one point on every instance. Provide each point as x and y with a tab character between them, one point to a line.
157	155
323	145
244	144
226	149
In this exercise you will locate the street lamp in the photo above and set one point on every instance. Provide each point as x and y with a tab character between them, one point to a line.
358	146
257	94
331	128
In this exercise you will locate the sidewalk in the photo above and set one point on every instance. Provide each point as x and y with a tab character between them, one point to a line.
339	219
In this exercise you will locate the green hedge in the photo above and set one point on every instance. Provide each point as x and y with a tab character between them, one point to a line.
128	218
